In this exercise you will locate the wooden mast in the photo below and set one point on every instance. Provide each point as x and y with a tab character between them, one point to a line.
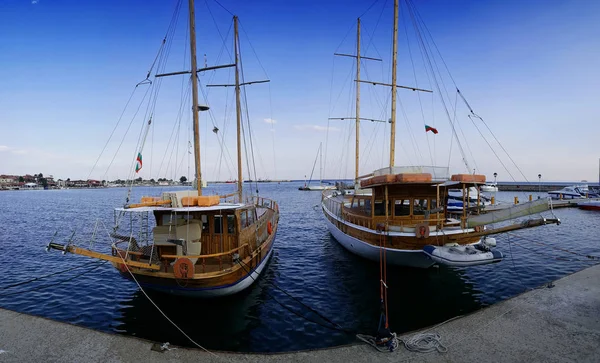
357	127
195	97
394	65
238	108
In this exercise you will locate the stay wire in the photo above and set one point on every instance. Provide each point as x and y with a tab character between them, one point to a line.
248	121
491	148
227	10
369	8
113	130
417	84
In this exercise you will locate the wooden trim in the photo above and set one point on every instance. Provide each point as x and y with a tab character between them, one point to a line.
116	259
206	256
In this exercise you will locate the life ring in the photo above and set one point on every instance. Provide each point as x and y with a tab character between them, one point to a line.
269	227
183	268
422	230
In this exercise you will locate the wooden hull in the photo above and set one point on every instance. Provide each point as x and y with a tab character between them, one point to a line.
402	248
396	257
208	288
206	285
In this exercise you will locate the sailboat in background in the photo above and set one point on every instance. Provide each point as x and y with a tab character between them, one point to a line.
401	211
187	243
320	186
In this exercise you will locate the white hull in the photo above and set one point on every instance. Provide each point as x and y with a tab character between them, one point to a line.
463	256
318	187
219	291
408	258
489	188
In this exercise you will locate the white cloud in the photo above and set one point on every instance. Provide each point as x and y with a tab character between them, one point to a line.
315	128
34	1
12	150
270	121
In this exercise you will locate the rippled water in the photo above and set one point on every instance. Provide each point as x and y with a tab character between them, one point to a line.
307	263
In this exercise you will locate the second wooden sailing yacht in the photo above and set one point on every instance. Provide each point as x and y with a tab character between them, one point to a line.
402	210
187	243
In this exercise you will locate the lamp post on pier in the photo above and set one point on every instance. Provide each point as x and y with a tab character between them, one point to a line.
539	183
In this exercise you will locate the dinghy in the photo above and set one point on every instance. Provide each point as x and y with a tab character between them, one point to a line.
465	255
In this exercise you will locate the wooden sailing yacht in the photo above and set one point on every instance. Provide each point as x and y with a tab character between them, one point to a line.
320	187
186	243
402	210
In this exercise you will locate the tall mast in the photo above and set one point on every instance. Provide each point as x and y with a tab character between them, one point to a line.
195	97
357	126
238	108
321	163
394	65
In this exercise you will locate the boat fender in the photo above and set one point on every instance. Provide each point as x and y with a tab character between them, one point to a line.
489	241
183	268
422	230
269	227
123	268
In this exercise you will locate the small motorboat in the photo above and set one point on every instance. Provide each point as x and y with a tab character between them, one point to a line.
571	192
489	188
455	199
466	255
589	205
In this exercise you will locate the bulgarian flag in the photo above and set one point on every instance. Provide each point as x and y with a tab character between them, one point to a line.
427	128
138	162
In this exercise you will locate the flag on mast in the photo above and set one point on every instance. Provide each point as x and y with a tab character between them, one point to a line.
138	162
432	129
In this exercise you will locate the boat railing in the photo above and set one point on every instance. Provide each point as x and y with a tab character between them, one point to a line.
222	259
263	202
332	204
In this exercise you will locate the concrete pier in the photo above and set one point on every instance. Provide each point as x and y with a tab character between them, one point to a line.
558	324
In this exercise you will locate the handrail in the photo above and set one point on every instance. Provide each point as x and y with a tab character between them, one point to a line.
207	256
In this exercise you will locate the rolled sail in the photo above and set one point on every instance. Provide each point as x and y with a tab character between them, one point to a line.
515	211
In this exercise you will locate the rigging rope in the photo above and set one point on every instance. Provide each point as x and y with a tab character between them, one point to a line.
162	313
430	63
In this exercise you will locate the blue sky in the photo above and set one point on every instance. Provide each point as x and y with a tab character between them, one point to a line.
528	68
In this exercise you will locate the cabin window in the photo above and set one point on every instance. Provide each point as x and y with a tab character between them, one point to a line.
361	203
170	219
433	204
204	219
401	207
354	203
218	224
419	207
231	224
368	206
251	217
379	208
244	218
